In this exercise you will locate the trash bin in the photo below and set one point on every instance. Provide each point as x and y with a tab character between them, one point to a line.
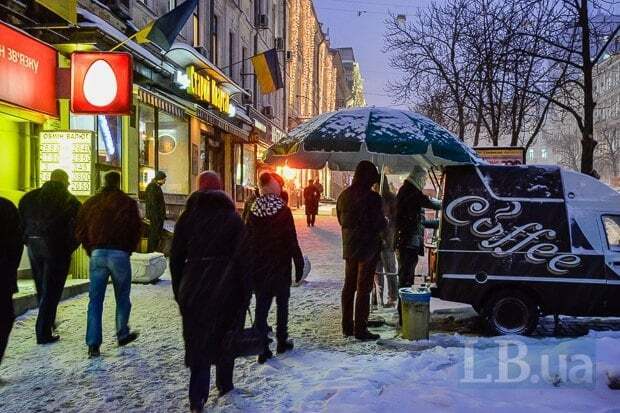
416	312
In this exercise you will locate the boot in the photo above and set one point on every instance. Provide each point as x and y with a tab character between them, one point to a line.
93	352
284	346
132	336
262	358
367	336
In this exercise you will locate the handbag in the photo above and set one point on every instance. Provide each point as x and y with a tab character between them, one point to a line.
245	342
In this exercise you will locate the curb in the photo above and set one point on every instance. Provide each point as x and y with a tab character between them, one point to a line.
29	302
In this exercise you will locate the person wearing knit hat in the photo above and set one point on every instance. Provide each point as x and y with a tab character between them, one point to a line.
360	214
274	246
155	205
409	238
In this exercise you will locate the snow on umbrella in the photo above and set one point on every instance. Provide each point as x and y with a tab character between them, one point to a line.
395	138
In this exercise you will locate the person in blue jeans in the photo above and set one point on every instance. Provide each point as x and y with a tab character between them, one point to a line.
109	229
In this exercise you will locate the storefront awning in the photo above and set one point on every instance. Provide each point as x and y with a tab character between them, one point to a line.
185	55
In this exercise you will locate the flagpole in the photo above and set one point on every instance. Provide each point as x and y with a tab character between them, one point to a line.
127	40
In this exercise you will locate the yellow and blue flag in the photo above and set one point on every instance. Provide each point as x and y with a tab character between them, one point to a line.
165	29
267	70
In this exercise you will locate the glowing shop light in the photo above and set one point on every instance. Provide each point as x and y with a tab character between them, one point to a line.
100	85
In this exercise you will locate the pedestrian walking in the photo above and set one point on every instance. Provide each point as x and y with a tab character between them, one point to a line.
319	187
11	248
49	217
109	229
311	200
274	245
386	267
409	239
361	217
155	210
211	283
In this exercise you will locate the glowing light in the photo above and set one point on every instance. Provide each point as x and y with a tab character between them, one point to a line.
100	84
289	173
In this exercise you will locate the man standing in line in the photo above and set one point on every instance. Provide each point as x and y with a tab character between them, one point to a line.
109	229
11	247
360	214
311	199
49	216
155	210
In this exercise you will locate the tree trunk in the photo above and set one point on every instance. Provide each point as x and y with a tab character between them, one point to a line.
461	119
587	139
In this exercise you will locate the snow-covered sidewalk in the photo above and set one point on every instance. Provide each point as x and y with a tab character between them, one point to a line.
325	372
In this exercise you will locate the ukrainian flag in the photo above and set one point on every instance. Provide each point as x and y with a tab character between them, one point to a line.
267	71
165	29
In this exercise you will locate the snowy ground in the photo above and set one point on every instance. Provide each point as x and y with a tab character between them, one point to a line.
325	372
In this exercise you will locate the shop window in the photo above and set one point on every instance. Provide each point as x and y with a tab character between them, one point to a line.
173	152
147	125
109	140
249	164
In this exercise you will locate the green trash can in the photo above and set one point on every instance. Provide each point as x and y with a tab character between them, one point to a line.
416	312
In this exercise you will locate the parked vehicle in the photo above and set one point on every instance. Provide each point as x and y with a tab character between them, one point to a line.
518	242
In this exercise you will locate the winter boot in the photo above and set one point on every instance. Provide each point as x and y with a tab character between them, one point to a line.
284	346
93	352
262	358
132	336
367	336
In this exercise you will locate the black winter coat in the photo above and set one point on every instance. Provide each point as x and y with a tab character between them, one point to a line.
155	204
409	203
312	197
274	244
11	246
360	214
49	217
210	283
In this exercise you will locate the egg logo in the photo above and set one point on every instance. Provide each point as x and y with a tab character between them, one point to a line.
100	86
101	83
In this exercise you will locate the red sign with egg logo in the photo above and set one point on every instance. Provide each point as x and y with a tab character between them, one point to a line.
101	83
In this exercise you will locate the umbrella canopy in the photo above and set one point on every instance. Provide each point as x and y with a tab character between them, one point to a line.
395	138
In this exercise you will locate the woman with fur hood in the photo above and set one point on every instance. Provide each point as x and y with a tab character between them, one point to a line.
274	245
211	284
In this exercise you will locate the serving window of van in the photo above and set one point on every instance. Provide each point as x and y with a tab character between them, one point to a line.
612	231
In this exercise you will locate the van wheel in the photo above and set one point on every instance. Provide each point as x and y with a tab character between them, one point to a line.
512	312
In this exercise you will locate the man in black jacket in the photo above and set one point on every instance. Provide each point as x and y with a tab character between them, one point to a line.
274	244
360	215
11	247
211	284
49	216
409	236
155	210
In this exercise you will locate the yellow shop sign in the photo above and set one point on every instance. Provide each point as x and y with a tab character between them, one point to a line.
205	88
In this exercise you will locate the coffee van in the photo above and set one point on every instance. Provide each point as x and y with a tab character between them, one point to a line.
518	242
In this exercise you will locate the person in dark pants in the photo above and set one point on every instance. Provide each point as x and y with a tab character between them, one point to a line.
49	217
109	229
409	238
211	282
312	197
155	210
274	245
360	215
11	247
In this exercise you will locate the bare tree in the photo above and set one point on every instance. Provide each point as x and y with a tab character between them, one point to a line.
608	150
573	44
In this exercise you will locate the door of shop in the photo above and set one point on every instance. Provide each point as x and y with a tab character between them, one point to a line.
212	153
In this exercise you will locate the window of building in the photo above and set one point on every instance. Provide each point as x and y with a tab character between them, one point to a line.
173	152
196	33
530	154
172	4
244	56
544	154
109	140
214	42
231	55
147	127
612	231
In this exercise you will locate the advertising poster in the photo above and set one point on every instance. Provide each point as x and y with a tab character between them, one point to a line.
497	155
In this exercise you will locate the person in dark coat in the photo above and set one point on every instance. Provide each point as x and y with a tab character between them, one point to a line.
409	236
360	215
11	248
386	267
109	229
211	283
155	205
274	245
312	197
49	217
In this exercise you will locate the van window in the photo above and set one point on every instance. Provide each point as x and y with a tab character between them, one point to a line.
612	231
